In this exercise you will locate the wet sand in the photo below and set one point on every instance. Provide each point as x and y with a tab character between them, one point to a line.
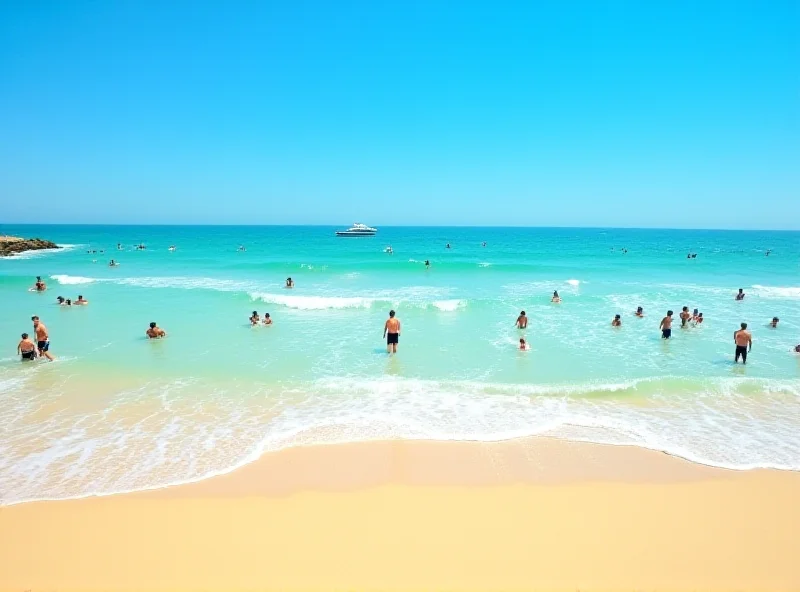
528	514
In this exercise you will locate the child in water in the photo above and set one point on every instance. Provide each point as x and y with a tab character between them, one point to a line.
254	320
523	345
267	319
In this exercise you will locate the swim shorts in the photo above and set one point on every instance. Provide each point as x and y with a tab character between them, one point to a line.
392	338
741	350
43	346
666	333
29	355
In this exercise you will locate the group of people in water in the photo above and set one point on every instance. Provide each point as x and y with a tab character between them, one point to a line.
743	339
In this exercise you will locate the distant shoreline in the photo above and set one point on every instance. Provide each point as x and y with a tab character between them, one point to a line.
14	245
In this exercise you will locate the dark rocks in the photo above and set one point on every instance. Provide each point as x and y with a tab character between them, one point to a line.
11	245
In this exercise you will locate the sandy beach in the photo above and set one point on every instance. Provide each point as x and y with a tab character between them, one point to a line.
528	514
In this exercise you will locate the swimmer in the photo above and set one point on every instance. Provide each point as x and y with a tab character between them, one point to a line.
42	338
699	319
744	343
740	295
768	251
26	348
523	345
694	314
254	320
389	250
427	264
639	312
155	332
685	316
797	349
60	300
172	248
289	283
617	322
666	326
119	247
391	331
522	321
484	244
39	286
267	319
447	246
113	263
774	322
556	298
80	301
68	302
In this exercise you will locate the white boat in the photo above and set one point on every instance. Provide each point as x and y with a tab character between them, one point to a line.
357	229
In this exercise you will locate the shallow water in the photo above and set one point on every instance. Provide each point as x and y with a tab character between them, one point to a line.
118	412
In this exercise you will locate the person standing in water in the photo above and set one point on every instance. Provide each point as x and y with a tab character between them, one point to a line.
666	326
254	320
289	283
740	295
267	319
155	332
774	322
639	312
685	316
556	298
523	345
522	321
391	331
617	322
42	338
26	348
427	264
744	343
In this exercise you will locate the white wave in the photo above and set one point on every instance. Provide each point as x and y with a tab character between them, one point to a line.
71	280
40	253
313	302
777	292
166	433
449	305
574	282
484	264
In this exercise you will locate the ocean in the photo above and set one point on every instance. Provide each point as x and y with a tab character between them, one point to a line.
117	412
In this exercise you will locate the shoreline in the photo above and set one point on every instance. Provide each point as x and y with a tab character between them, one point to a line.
248	461
531	513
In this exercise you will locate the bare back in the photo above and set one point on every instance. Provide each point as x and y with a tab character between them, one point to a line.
742	337
41	332
393	325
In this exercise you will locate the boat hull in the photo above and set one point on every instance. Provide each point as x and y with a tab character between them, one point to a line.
357	233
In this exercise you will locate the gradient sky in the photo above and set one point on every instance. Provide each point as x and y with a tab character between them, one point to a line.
676	114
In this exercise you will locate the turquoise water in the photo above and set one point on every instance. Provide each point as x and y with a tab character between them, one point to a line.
117	412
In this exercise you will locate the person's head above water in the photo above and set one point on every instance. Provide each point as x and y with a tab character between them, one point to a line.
522	313
616	317
555	294
669	313
740	290
391	313
266	315
685	309
639	309
255	313
775	319
60	299
153	325
744	326
695	311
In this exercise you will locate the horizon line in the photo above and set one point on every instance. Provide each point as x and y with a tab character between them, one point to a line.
498	226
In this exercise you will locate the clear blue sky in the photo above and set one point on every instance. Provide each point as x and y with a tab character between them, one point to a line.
678	114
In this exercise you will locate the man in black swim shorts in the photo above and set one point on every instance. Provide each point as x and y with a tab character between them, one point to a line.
744	343
666	326
26	348
391	331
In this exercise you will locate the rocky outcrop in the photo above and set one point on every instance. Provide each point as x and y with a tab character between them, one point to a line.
11	245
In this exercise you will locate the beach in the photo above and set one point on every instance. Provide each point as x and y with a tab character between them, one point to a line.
302	456
526	514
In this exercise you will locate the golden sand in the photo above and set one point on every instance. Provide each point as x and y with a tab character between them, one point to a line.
532	514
